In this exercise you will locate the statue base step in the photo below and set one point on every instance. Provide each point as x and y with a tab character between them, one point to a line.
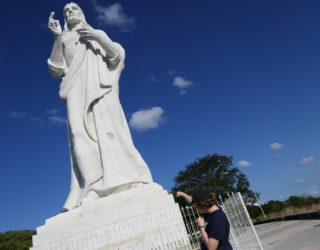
145	217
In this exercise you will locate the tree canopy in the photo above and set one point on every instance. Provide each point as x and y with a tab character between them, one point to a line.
281	208
16	240
215	172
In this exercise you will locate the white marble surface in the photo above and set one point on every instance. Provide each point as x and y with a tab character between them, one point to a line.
144	217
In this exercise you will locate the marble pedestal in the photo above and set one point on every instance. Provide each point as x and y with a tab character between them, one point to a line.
145	217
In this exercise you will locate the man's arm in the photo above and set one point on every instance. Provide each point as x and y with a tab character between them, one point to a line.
185	196
210	243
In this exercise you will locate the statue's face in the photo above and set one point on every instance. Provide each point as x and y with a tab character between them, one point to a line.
72	14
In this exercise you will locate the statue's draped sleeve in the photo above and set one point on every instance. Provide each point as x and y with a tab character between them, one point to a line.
57	71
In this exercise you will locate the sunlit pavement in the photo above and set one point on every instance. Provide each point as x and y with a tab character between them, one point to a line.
295	234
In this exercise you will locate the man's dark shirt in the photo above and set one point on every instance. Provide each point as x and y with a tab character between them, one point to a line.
217	227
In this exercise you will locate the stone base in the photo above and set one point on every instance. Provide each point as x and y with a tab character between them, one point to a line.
145	217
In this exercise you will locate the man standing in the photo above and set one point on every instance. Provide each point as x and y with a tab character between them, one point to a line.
214	225
104	159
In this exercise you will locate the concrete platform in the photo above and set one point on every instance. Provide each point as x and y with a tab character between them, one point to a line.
291	235
144	217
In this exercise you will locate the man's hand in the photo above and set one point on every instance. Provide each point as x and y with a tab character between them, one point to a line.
200	222
54	25
90	34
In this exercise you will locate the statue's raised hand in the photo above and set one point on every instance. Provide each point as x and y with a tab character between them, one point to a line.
88	33
54	25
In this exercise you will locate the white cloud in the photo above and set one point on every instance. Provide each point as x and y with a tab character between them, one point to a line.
57	120
54	118
301	180
314	191
243	163
182	83
38	121
17	115
152	78
49	118
147	118
276	146
52	111
307	160
113	15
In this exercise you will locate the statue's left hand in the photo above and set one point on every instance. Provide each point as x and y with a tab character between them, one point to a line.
89	34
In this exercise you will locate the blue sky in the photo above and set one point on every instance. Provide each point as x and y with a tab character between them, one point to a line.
238	78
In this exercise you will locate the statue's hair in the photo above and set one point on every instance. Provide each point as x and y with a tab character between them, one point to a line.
84	23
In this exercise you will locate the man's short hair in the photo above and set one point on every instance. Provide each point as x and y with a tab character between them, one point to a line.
203	197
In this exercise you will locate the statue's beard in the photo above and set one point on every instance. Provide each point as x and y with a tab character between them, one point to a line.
73	20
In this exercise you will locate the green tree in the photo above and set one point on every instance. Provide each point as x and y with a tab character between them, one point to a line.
16	240
273	206
243	187
215	172
296	201
310	200
254	211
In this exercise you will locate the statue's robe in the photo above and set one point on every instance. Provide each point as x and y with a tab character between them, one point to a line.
103	157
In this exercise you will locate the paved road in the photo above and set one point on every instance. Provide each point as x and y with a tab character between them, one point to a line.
290	235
